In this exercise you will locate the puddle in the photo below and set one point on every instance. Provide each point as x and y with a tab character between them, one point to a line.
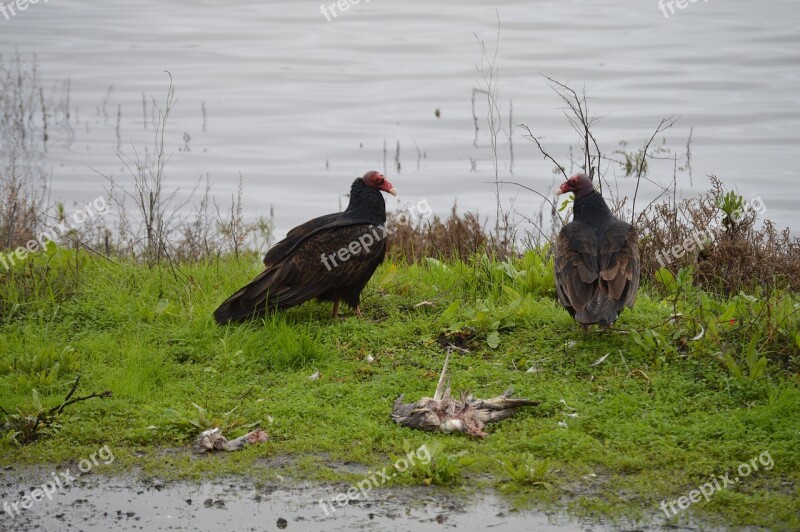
95	502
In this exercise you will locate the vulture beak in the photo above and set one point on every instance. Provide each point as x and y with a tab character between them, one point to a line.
563	189
388	187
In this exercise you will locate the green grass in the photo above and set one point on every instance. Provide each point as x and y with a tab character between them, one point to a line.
607	441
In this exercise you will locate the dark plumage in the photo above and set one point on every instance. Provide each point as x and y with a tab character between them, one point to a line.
596	258
330	258
442	413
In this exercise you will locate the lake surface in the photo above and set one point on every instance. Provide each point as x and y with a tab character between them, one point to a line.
300	105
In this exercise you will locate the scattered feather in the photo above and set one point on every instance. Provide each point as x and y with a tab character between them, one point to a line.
563	402
599	360
451	348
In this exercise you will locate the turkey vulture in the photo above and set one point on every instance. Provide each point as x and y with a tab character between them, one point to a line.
596	259
329	258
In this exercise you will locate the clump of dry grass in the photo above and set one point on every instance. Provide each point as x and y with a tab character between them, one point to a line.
457	236
18	201
742	252
23	129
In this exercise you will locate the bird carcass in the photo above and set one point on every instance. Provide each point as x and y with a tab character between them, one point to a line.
443	413
212	440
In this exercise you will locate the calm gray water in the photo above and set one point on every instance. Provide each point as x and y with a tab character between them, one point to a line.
300	105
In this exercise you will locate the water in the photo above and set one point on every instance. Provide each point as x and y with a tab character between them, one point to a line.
122	503
300	105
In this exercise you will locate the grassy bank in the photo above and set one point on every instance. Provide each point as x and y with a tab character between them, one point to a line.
661	415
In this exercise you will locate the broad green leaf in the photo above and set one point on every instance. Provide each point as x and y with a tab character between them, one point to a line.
733	366
665	277
451	311
493	339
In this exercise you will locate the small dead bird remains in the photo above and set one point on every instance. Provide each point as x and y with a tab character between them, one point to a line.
212	440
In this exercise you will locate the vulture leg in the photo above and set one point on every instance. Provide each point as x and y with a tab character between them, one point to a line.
335	309
358	310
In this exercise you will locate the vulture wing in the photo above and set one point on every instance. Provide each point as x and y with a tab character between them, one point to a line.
576	266
619	263
597	272
298	273
296	235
